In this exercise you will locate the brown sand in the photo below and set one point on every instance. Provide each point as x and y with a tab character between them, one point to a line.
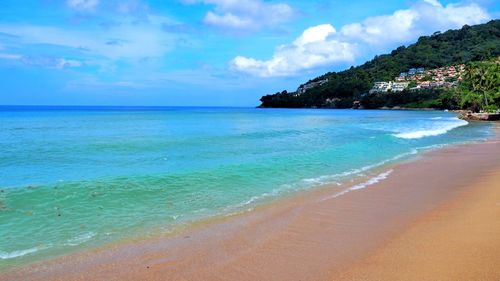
459	240
433	219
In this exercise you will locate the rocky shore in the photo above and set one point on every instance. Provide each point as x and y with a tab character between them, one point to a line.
468	115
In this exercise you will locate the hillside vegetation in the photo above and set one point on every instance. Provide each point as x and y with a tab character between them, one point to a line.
466	45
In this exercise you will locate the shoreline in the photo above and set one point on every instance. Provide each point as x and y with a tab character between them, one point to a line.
355	180
358	180
357	175
278	232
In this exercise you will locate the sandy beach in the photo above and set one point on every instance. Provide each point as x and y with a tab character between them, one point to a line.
434	218
456	241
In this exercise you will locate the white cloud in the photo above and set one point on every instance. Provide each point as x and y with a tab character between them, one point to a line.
42	61
316	47
322	45
82	5
50	62
423	18
228	20
10	56
433	2
245	14
64	63
128	40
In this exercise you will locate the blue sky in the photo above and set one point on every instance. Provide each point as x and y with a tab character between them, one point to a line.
200	52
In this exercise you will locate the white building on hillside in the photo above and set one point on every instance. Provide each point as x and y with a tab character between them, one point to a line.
399	86
381	87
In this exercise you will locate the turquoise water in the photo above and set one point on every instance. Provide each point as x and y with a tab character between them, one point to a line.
80	177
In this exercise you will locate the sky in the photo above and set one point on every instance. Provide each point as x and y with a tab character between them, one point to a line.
201	52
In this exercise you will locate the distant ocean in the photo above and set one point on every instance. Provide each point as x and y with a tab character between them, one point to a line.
79	177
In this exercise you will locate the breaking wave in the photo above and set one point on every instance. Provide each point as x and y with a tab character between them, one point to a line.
18	253
82	238
433	129
326	180
369	182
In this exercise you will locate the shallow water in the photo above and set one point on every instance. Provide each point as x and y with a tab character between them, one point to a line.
80	177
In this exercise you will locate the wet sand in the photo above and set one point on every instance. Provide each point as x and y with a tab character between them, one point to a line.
435	218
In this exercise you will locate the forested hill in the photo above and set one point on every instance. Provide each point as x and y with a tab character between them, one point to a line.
470	43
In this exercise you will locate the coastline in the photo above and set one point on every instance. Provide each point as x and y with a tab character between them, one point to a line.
307	237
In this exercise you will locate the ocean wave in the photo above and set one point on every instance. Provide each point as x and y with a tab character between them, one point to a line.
437	128
372	181
18	253
331	179
321	181
82	238
256	198
369	182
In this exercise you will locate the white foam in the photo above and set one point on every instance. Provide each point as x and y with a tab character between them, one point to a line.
437	128
320	181
253	199
82	238
19	253
329	179
371	181
323	180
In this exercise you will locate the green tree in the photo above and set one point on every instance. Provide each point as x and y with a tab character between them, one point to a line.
480	89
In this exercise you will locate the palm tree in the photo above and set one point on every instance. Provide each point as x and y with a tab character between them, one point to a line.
481	79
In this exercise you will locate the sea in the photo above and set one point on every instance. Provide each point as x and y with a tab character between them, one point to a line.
74	178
